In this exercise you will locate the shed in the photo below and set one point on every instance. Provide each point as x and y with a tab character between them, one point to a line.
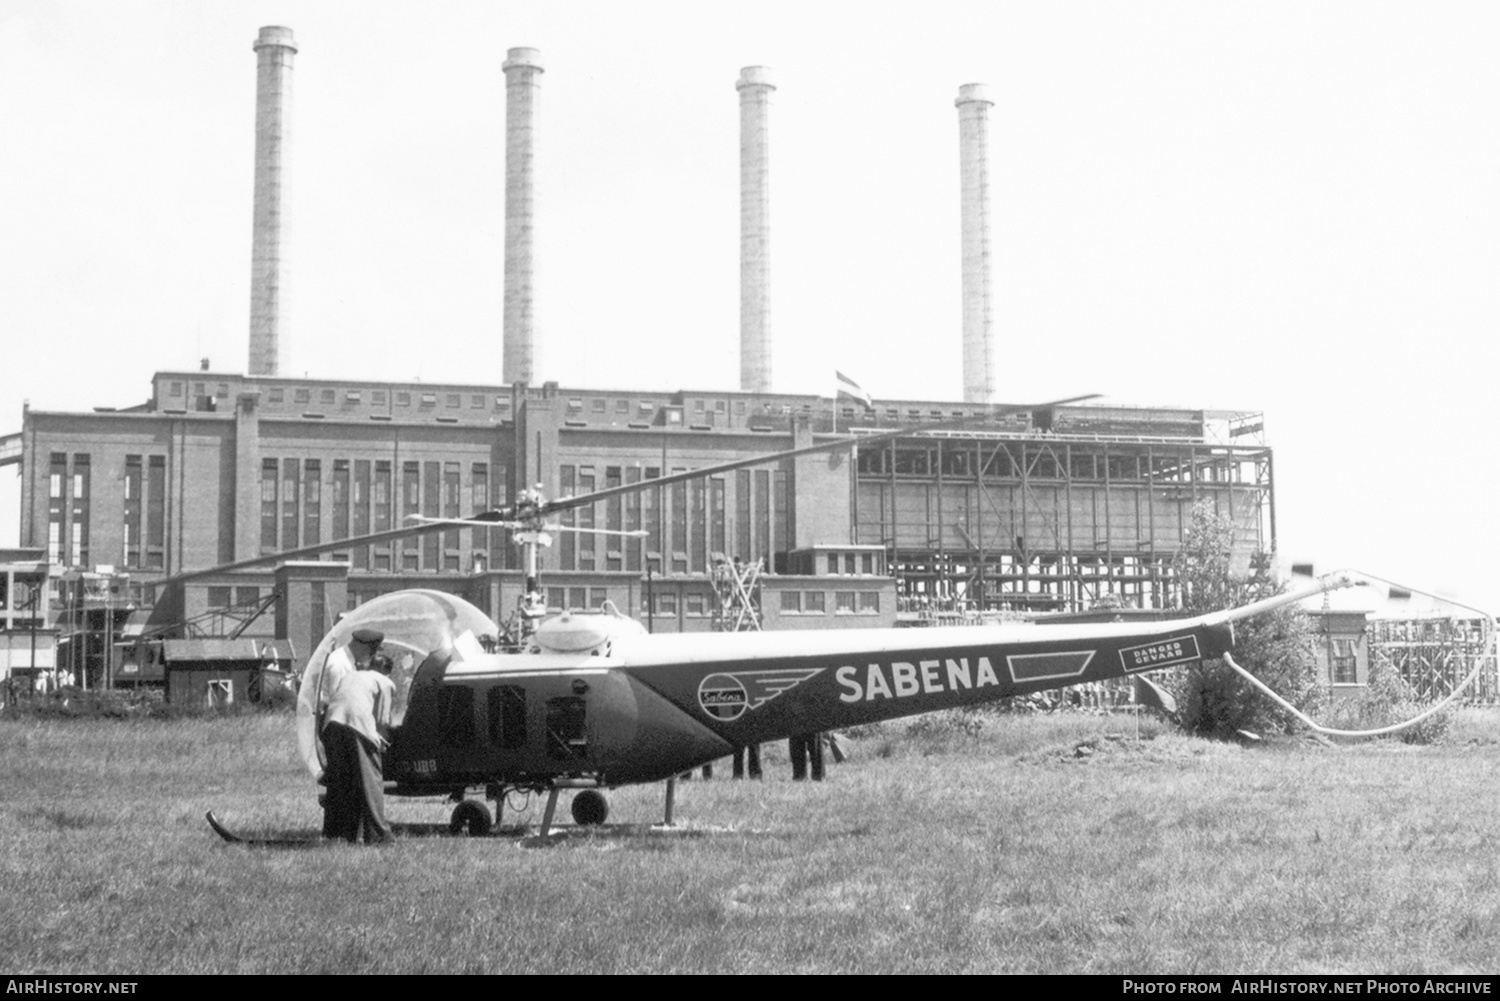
222	672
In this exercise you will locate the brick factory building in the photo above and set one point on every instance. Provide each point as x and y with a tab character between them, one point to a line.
1044	511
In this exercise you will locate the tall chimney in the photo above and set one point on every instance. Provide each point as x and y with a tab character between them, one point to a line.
523	71
268	278
755	89
973	105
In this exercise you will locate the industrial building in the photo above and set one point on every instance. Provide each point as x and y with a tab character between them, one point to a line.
1046	510
1042	511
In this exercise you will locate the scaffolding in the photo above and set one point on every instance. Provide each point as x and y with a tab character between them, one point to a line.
1435	655
736	594
1049	522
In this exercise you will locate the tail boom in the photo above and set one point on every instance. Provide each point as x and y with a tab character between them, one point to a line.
772	689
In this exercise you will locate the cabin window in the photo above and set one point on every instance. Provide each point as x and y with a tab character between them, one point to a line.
567	738
456	717
507	711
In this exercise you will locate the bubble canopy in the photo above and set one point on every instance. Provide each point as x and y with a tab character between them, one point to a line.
415	623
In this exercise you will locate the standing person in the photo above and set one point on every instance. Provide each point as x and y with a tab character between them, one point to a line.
354	736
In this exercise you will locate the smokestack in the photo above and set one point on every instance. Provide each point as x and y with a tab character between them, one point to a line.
973	105
755	89
273	98
523	70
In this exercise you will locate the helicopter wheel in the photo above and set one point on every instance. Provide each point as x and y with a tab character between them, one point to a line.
590	808
470	817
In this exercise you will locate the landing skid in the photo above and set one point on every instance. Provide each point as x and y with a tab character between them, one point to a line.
236	839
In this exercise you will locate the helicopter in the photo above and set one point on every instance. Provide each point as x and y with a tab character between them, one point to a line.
590	701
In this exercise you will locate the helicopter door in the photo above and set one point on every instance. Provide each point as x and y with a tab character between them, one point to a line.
567	728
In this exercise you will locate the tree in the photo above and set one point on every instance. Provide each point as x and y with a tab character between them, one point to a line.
1276	647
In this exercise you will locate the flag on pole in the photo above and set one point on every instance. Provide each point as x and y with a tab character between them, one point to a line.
848	387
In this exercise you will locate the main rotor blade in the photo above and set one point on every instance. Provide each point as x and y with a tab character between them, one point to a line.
568	503
477	521
317	550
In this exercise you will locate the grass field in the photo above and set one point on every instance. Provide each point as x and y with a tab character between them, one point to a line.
1053	844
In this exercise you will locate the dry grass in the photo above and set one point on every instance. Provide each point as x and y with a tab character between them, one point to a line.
1043	844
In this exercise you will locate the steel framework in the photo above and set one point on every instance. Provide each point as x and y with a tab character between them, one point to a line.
1048	521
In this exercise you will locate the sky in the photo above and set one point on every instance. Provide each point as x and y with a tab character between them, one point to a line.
1291	208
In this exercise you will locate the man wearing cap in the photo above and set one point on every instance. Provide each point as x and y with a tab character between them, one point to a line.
358	718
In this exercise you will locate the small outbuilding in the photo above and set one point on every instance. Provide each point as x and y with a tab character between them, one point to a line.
219	673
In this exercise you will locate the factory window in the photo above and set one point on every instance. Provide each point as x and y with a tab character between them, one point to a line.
302	395
476	402
432	492
381	491
843	602
791	602
247	596
199	389
697	543
174	389
646	406
598	406
451	490
359	510
352	396
869	603
80	532
312	503
455	400
291	482
156	512
275	395
403	399
327	395
501	403
632	513
377	397
697	406
134	482
695	604
429	399
867	563
739	406
717	537
666	603
585	514
679	518
815	603
223	389
622	406
219	597
269	474
575	404
340	499
833	562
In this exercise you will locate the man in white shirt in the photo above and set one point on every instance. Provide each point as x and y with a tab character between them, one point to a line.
354	736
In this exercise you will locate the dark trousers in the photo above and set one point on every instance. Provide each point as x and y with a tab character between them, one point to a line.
354	805
804	749
740	753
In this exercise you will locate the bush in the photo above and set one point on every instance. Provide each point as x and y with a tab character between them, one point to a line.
1212	699
1389	700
